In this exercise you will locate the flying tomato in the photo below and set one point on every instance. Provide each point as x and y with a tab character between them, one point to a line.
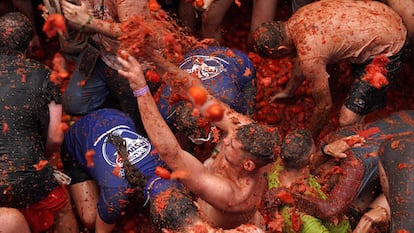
197	94
162	172
215	112
54	24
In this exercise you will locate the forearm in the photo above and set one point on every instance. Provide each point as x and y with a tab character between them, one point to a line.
340	197
296	79
314	70
318	121
323	101
157	129
95	25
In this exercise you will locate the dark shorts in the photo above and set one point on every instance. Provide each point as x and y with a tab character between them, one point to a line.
28	189
364	98
72	168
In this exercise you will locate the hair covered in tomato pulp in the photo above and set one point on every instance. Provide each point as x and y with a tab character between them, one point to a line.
296	147
15	32
268	37
189	123
173	209
259	140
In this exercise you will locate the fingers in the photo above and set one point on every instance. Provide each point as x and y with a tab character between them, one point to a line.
280	95
123	62
65	5
123	73
69	8
340	155
128	61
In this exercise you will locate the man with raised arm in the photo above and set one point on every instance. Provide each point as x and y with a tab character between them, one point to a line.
230	188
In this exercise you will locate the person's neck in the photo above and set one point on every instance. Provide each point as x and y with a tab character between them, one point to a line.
290	175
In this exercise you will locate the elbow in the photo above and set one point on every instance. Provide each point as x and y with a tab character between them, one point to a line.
168	152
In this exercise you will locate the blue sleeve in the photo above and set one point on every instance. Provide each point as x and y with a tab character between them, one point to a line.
90	133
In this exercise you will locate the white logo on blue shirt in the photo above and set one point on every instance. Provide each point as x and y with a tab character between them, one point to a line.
206	67
138	147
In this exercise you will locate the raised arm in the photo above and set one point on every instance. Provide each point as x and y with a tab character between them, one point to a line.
216	190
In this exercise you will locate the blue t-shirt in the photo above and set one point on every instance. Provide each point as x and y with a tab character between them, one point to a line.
91	133
228	75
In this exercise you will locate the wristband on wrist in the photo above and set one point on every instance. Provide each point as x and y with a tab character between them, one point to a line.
87	22
139	92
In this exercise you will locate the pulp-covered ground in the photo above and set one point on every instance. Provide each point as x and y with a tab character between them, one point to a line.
289	113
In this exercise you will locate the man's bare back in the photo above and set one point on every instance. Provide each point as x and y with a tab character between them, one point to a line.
332	31
325	31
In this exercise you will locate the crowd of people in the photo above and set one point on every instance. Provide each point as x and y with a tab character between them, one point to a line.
185	143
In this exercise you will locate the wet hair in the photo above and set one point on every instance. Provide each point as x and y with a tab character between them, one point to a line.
296	148
173	209
133	175
268	37
190	124
15	32
259	140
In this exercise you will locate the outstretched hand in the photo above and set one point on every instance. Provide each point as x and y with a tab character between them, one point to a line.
280	95
338	148
375	215
76	14
132	70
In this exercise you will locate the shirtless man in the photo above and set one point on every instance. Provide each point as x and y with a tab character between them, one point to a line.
327	32
229	190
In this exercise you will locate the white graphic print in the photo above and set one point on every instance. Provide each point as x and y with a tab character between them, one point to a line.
138	147
206	67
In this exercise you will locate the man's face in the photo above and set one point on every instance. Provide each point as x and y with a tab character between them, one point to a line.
232	150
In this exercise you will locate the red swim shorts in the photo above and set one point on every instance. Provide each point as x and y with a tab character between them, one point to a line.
41	215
